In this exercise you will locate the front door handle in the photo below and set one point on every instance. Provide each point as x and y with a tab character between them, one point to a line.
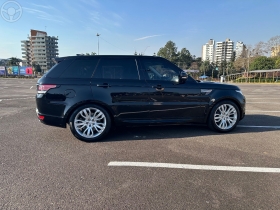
104	85
158	88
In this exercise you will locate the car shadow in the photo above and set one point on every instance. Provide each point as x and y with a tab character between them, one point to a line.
191	130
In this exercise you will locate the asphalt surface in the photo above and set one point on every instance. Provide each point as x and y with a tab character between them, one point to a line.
43	167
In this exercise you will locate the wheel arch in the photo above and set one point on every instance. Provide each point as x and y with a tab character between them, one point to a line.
82	103
225	99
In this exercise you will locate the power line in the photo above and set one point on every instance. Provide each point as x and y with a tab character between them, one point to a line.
114	45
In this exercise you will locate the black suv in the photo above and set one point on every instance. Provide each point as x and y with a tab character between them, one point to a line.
92	93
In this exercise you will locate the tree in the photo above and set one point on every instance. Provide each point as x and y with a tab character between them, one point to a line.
223	67
14	61
277	63
184	59
262	63
169	51
240	64
272	43
196	63
36	67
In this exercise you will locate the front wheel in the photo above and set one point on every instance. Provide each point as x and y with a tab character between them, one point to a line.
90	123
224	116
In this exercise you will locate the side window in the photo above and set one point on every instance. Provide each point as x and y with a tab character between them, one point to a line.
160	69
117	68
58	69
80	68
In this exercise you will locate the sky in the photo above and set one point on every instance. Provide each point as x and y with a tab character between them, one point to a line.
144	26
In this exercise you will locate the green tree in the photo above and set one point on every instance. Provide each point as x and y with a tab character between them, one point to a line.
223	67
196	63
207	68
36	67
169	51
277	63
184	59
13	61
262	63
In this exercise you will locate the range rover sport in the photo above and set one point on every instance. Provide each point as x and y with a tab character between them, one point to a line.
92	93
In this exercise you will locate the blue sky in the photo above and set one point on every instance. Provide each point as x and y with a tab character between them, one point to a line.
144	26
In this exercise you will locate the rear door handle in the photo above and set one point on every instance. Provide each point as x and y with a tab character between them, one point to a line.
104	85
158	88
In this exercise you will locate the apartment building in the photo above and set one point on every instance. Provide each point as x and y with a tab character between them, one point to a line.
275	51
208	51
40	49
224	50
240	50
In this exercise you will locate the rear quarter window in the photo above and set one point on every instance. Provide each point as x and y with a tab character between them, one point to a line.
80	68
58	68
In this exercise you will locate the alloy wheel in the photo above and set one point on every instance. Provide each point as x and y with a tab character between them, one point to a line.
90	122
225	116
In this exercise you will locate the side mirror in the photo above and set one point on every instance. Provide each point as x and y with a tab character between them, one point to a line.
183	76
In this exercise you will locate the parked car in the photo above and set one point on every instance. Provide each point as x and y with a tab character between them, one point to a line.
92	93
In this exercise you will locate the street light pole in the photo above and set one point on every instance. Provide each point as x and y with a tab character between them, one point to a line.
98	41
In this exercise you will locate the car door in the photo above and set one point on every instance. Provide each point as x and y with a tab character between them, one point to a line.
170	99
117	83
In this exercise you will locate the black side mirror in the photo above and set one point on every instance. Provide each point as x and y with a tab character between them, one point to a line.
183	76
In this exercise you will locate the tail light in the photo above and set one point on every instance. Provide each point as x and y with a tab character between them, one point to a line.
44	88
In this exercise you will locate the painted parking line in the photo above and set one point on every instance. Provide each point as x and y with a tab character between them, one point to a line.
258	126
261	111
262	98
262	103
13	99
194	167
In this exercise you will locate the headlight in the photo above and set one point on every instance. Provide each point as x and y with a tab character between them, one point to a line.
239	91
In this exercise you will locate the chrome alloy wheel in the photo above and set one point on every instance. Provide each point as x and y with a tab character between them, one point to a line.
90	122
225	116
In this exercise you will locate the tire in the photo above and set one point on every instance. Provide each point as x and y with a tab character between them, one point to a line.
90	123
224	116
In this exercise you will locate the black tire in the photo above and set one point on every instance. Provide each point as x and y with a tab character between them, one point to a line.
90	123
224	122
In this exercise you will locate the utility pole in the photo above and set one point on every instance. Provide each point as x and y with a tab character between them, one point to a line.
98	41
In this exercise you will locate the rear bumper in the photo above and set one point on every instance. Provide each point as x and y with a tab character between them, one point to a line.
51	120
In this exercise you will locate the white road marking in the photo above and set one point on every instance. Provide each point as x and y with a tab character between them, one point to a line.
0	100
195	167
261	111
258	126
262	103
262	98
13	99
31	87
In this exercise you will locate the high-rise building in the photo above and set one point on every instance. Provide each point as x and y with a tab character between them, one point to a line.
208	51
275	51
224	51
240	49
39	49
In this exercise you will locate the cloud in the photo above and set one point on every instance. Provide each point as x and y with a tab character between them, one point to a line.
95	17
107	19
92	3
45	18
43	6
147	37
45	15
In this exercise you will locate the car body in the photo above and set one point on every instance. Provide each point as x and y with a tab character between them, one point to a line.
92	93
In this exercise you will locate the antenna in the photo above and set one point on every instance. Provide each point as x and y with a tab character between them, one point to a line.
98	41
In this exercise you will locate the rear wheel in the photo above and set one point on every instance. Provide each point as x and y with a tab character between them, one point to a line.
224	116
90	123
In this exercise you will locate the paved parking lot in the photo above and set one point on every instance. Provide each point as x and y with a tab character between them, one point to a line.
166	167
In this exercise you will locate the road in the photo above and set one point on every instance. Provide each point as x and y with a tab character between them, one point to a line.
44	167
